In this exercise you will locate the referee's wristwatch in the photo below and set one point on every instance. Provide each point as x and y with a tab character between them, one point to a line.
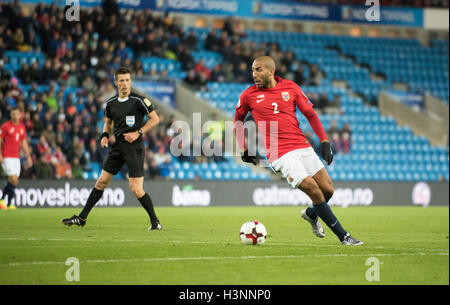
140	132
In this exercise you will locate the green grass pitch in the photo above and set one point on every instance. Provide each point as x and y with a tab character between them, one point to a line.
202	246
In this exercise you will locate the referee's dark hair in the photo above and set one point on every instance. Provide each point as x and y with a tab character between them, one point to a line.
122	70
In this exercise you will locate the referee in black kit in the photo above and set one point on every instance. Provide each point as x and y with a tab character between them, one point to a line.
125	113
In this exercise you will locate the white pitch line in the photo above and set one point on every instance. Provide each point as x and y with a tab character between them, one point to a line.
206	242
201	242
207	258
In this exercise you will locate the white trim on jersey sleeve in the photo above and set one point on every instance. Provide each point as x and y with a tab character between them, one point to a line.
143	104
110	99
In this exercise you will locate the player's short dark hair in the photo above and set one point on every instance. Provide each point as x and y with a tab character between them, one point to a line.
122	70
15	108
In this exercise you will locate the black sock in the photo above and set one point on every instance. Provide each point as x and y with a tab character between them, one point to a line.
94	197
5	191
311	212
147	204
323	210
9	190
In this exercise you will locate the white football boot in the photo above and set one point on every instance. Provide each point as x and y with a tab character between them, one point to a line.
315	224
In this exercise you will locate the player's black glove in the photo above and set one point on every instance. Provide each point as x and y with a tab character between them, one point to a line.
249	159
326	152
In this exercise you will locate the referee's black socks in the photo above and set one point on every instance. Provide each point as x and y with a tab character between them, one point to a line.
147	204
94	197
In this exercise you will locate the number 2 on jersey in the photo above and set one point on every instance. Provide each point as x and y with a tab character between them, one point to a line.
275	111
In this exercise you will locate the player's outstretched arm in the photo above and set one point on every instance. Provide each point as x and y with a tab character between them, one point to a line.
306	107
316	125
239	131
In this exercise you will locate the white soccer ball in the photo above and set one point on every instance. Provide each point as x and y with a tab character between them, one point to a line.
253	233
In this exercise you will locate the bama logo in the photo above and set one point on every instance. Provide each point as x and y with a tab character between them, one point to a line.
187	196
285	196
66	196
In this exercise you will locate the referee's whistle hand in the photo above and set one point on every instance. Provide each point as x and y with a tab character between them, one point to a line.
104	142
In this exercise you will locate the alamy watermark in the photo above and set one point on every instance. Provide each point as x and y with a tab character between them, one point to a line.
373	12
373	273
73	10
216	138
73	272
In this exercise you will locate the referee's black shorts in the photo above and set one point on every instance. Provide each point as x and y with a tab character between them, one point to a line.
122	152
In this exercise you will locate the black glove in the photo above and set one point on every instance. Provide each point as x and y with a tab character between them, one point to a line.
249	159
326	152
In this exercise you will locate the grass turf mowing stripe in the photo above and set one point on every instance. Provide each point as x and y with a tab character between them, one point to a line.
206	243
168	259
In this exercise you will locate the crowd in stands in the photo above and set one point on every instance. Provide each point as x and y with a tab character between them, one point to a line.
322	104
238	54
340	139
63	129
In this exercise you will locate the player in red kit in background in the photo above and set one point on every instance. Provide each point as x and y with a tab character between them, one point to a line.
273	102
12	134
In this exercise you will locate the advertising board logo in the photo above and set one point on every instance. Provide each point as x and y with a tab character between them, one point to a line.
187	196
421	194
160	3
274	195
256	8
65	196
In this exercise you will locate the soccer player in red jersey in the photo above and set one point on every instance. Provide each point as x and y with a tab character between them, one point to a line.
12	134
273	102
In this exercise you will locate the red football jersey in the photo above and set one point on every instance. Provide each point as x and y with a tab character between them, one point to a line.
12	135
278	105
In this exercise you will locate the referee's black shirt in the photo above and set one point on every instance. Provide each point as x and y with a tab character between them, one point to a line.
127	113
